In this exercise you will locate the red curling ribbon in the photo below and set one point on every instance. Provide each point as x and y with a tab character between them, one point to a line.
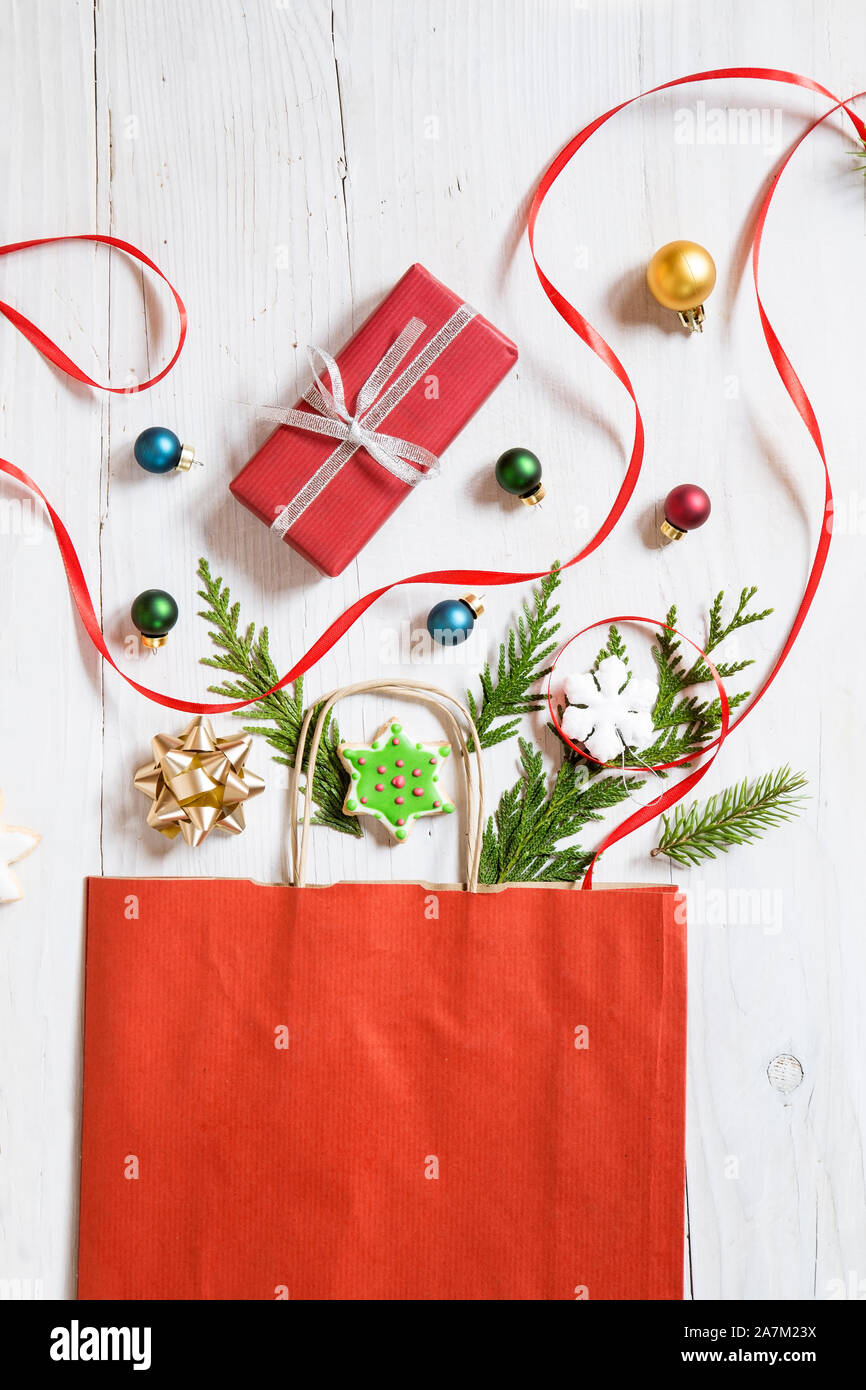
587	334
56	355
681	789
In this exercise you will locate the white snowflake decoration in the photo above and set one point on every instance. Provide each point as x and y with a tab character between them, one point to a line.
605	714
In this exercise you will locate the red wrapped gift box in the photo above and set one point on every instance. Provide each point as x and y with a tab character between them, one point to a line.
324	492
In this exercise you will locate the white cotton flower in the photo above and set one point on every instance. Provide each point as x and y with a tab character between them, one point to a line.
607	715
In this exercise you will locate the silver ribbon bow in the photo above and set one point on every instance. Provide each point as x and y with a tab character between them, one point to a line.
360	429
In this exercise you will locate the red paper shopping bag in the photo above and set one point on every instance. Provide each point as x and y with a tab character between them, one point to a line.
382	1091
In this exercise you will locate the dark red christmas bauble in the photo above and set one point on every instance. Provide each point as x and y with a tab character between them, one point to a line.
686	507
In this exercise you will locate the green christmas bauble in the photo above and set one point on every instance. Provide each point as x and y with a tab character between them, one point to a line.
154	613
518	471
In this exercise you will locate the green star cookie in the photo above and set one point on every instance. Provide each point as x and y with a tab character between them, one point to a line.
395	779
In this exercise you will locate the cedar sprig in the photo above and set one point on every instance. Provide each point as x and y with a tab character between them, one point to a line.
521	838
614	646
736	816
673	676
506	697
685	723
245	655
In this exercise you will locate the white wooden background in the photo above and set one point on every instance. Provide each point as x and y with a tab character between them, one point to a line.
284	161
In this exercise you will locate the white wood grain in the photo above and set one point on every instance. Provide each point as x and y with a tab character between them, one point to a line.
285	161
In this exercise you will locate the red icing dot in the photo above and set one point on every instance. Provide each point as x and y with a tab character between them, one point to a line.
398	800
437	803
381	768
399	762
363	800
417	791
396	742
432	762
401	821
362	761
416	772
398	781
380	786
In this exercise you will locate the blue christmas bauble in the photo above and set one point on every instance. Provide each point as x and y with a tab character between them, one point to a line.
157	449
451	621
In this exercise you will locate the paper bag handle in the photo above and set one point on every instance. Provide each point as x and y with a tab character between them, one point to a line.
452	712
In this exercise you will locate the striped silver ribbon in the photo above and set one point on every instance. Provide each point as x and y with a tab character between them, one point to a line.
360	430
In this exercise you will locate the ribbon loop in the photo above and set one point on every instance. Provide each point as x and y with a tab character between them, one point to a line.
331	402
55	354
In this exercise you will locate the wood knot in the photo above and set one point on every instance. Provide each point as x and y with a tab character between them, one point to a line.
785	1073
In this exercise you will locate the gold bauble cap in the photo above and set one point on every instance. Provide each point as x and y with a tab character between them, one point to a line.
187	458
681	275
532	499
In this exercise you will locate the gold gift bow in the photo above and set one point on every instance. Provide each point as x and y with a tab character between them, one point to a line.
198	782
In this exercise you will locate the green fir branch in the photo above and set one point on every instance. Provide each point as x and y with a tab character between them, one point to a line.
506	696
736	816
245	656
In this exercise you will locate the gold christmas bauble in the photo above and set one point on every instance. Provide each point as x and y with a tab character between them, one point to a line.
681	275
